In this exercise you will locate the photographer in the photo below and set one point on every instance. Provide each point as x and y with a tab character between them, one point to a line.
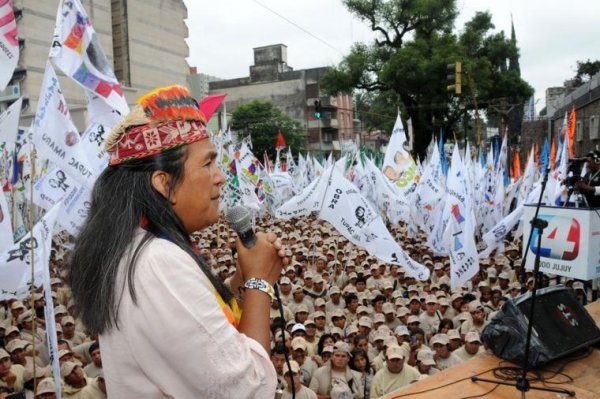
589	185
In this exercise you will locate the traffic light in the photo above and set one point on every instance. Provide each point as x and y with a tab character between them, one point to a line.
317	109
454	77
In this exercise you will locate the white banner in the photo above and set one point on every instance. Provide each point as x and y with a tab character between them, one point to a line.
52	187
77	51
398	165
429	194
6	231
92	144
75	209
307	201
464	262
494	237
99	112
387	197
55	135
9	43
15	264
342	205
51	337
9	123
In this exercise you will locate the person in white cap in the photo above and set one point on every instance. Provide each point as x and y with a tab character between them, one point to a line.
274	311
25	324
431	317
335	379
335	300
12	376
478	319
306	364
299	299
351	300
45	389
442	356
300	392
395	375
425	363
77	385
285	289
390	316
375	282
471	348
18	355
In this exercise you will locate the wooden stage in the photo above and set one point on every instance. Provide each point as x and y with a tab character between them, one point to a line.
585	373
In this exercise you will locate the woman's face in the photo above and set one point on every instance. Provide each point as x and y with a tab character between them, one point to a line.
196	196
363	344
360	363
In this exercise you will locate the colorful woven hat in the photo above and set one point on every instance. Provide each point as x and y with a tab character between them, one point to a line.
163	119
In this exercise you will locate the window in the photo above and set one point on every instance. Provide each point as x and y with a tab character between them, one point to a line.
579	131
594	126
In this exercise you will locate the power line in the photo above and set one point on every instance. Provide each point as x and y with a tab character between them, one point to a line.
298	26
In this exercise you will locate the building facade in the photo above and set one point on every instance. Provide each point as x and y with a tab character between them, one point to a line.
145	40
294	92
586	100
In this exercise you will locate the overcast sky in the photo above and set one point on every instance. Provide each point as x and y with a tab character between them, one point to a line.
552	34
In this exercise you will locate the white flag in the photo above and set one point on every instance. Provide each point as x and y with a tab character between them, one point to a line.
463	252
55	135
398	165
15	264
387	197
464	262
52	188
76	50
6	231
9	43
51	336
307	201
341	204
100	112
75	210
92	144
494	237
429	194
9	123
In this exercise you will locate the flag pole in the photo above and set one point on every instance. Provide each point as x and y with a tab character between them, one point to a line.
32	285
312	250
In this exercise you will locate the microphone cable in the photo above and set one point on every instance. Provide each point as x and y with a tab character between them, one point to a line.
286	352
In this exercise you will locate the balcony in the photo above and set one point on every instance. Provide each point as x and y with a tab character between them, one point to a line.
12	92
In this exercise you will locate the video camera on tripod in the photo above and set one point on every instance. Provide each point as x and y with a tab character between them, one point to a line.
574	168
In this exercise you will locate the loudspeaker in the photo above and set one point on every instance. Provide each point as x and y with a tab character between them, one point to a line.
560	326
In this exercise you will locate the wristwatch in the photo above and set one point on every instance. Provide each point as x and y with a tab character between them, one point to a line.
261	285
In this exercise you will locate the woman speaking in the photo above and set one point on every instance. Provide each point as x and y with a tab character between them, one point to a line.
168	328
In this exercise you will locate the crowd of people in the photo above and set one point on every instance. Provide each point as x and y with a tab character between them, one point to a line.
352	326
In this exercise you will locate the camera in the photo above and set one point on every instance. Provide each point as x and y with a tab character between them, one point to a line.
574	168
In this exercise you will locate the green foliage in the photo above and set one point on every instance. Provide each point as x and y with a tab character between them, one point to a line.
585	70
262	121
407	63
376	110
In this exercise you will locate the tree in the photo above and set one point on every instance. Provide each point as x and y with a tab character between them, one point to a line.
376	110
262	121
408	61
585	70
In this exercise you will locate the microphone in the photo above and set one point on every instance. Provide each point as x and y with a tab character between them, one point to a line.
240	221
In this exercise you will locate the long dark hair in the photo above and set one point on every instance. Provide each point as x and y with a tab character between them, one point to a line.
122	196
359	352
321	344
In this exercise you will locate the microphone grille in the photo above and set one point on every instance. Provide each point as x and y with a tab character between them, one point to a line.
239	218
